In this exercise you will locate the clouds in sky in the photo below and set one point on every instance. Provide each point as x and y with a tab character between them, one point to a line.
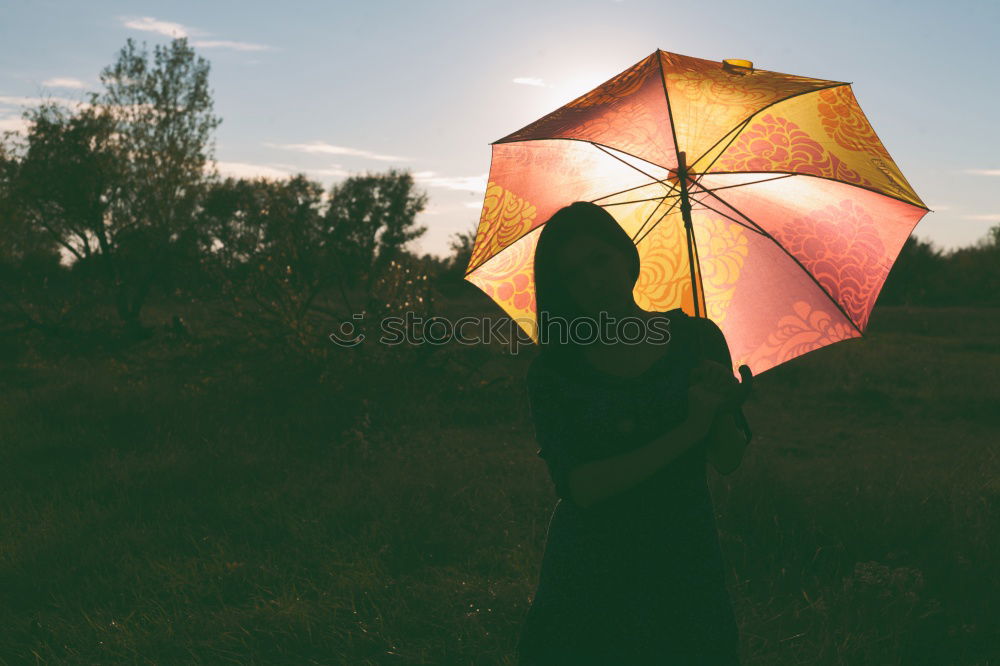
64	82
475	184
176	30
12	124
11	119
321	147
430	179
530	81
435	209
150	24
333	171
14	100
275	171
975	217
984	172
248	171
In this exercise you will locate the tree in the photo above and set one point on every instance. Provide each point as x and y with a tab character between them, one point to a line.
275	254
973	272
263	245
369	220
461	245
232	222
67	176
915	277
50	200
992	238
161	126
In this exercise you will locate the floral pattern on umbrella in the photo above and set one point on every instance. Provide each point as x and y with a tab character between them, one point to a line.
797	210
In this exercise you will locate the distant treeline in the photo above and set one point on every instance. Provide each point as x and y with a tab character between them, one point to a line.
926	275
106	204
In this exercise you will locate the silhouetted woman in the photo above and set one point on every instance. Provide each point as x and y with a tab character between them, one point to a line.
632	571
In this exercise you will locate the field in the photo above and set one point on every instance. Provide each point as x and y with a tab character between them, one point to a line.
204	500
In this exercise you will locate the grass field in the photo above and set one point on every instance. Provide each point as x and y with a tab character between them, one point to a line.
209	501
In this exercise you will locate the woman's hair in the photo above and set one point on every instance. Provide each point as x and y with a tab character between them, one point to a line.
552	299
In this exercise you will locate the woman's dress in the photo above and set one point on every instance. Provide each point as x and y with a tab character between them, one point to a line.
637	578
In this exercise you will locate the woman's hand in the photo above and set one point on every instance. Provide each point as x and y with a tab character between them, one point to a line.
710	385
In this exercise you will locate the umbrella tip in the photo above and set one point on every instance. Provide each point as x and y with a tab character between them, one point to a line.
737	66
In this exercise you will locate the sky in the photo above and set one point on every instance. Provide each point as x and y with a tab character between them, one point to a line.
339	88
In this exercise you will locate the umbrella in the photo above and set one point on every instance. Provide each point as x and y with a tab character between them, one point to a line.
763	201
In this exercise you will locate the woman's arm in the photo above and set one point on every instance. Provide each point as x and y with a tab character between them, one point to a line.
726	443
727	439
591	482
585	483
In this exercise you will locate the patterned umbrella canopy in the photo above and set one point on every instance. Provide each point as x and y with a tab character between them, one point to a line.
761	200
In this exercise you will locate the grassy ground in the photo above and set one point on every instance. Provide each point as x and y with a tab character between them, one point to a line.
206	501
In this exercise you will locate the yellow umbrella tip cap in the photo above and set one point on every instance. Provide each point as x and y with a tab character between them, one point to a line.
736	65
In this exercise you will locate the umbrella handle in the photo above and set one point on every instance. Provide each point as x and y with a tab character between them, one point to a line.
741	392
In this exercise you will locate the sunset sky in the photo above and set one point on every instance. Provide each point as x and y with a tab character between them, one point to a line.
335	88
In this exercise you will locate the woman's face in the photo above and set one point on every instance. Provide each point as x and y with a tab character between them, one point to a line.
596	275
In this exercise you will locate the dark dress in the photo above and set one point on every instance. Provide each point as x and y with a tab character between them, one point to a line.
637	578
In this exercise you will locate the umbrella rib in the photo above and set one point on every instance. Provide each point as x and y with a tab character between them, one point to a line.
726	187
593	143
843	182
735	133
746	120
654	179
627	189
707	189
622	203
739	128
603	150
501	250
670	111
650	217
754	228
796	260
732	137
757	229
667	212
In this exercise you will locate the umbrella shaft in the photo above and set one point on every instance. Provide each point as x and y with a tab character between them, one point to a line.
688	226
682	176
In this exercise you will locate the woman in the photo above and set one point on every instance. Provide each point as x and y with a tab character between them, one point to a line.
632	571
